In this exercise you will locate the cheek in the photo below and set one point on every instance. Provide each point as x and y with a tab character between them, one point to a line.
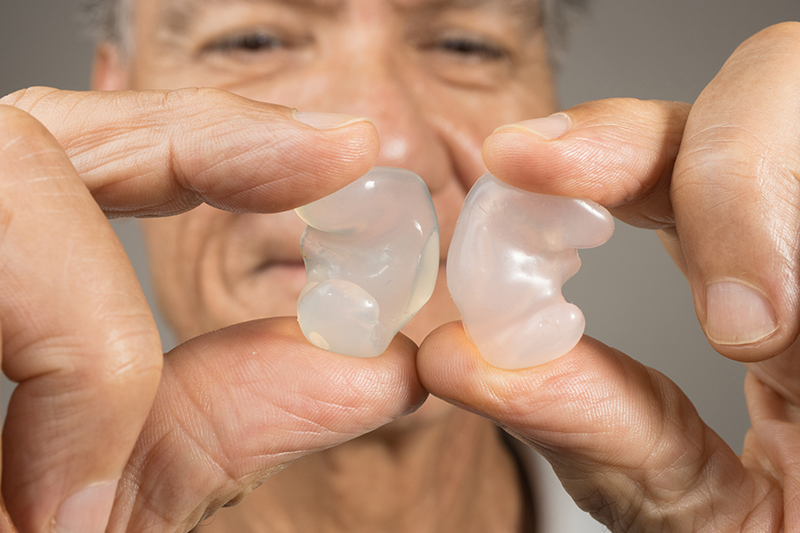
263	266
164	247
162	237
212	269
184	252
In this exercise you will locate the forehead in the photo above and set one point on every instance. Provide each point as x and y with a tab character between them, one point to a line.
178	13
401	4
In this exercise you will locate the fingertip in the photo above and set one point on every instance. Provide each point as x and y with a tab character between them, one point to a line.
265	157
452	368
509	152
341	149
445	350
355	139
563	154
613	151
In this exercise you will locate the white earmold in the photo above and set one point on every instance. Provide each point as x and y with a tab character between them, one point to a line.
511	253
371	252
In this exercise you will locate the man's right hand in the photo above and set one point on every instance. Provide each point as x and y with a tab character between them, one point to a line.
79	338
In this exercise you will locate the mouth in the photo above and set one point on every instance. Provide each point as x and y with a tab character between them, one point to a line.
287	277
285	268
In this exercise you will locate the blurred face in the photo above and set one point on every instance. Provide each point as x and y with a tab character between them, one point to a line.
435	76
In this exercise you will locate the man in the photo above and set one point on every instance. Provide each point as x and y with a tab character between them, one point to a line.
102	424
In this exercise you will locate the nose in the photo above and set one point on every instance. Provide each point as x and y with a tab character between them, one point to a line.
386	89
412	134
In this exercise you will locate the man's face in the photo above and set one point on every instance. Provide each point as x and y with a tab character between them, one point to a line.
435	76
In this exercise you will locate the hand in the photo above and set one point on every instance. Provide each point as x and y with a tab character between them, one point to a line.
80	340
719	181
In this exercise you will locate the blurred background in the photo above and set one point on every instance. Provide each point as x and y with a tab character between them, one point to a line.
632	295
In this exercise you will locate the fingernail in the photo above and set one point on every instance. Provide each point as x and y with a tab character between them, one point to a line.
737	314
87	511
550	128
327	121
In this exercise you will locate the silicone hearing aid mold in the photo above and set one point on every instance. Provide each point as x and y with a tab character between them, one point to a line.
511	253
371	252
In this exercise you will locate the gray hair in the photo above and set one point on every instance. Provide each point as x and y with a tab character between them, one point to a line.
558	17
110	21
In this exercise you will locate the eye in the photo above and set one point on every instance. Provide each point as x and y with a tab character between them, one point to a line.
471	47
251	42
466	58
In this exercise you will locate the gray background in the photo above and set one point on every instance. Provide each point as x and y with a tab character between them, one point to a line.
633	297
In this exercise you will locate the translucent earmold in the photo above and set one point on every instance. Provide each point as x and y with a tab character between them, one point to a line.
511	253
371	252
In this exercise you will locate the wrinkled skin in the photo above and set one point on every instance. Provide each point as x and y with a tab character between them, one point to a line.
200	427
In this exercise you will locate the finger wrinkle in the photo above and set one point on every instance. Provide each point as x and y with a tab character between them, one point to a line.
28	99
11	143
212	190
100	146
615	172
148	501
6	221
210	171
723	144
277	418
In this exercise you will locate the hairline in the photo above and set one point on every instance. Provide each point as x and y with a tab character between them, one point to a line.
111	22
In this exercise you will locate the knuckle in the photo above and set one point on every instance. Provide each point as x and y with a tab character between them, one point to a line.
784	32
192	99
116	360
218	104
722	149
779	40
738	168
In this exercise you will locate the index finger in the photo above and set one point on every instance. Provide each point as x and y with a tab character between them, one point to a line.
157	153
618	152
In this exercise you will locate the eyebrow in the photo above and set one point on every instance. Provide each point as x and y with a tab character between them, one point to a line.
528	12
177	16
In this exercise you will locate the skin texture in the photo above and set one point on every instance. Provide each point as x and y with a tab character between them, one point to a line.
201	427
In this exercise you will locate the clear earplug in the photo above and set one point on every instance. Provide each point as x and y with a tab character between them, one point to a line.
511	253
371	252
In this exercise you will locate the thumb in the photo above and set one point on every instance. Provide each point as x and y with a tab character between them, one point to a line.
735	192
237	405
626	443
